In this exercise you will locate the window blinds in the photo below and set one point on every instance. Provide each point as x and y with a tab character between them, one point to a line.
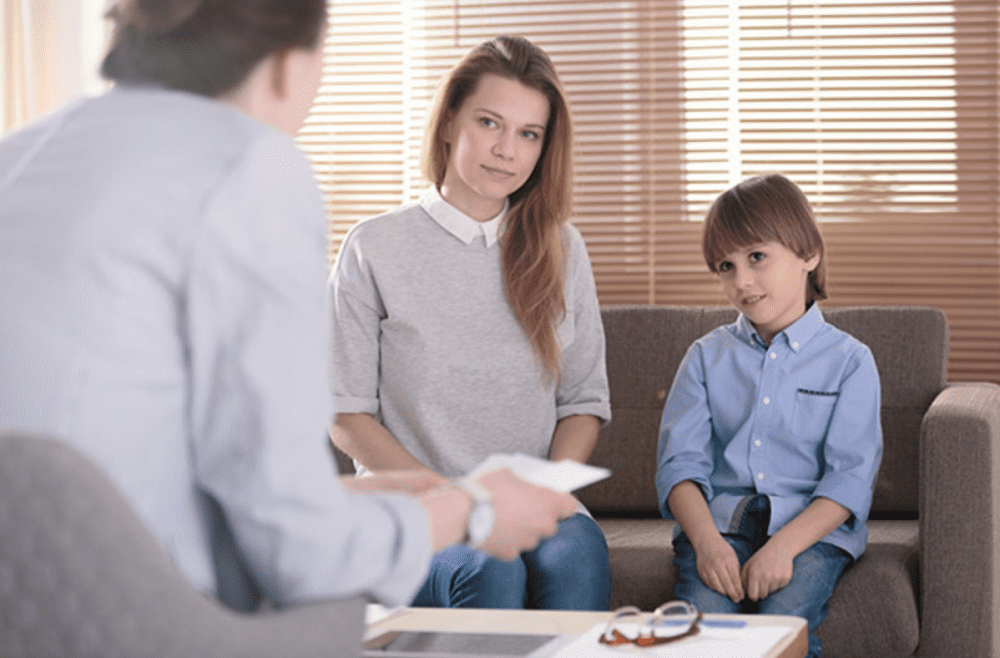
885	113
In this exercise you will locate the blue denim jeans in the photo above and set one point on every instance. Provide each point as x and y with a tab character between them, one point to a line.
815	572
568	571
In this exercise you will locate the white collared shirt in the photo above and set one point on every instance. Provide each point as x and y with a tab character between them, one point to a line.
458	223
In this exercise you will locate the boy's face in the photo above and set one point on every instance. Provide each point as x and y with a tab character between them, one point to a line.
767	282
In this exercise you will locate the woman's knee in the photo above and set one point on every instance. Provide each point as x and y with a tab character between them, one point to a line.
462	577
577	548
570	571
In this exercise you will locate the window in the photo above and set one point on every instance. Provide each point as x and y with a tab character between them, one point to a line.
50	53
885	113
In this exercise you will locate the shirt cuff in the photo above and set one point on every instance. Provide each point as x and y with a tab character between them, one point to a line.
413	551
600	409
668	478
351	405
851	492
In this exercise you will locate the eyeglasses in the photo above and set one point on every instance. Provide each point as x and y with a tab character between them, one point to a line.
670	622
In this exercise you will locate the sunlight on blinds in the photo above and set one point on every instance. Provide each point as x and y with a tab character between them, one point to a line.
857	102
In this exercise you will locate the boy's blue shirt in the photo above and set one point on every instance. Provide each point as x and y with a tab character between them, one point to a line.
795	420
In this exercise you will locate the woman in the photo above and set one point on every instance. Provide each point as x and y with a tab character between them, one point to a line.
163	280
468	323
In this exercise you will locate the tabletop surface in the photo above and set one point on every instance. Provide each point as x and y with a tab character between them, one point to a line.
561	622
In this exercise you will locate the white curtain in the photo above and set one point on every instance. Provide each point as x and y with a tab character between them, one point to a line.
50	51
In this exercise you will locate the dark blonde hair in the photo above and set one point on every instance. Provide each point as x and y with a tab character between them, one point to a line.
206	47
532	251
767	208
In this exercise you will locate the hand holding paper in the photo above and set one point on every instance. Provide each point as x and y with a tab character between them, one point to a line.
565	475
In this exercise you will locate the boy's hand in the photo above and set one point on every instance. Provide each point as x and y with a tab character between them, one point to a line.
719	567
767	571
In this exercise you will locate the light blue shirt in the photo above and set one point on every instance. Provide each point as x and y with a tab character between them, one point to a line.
795	420
163	308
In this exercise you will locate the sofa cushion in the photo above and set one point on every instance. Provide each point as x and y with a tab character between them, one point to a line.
874	609
642	561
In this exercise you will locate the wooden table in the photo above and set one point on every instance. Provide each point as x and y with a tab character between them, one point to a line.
562	622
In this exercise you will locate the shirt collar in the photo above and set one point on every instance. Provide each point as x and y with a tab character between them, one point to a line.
796	334
457	222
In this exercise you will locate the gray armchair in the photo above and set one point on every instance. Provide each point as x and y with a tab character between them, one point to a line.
80	575
929	583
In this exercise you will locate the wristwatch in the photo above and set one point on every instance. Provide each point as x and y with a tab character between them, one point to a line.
482	516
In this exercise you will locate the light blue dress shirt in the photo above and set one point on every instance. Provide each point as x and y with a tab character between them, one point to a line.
795	420
163	308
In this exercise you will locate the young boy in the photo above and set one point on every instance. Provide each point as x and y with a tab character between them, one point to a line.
770	439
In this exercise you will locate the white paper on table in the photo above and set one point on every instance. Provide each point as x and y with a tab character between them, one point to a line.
376	612
749	642
565	475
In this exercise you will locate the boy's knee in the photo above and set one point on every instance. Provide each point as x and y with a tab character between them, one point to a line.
814	577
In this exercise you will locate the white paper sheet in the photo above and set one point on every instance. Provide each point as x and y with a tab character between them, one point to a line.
565	475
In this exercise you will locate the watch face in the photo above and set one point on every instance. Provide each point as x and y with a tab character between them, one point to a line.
480	523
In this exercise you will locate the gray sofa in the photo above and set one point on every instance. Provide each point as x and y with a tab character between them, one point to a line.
929	583
81	576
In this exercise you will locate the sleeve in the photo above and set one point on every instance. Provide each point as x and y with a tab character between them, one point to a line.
684	451
583	386
259	342
358	311
852	450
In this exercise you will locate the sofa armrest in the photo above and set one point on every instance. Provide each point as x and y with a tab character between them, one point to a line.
960	522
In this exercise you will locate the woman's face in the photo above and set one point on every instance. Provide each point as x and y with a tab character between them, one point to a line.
495	140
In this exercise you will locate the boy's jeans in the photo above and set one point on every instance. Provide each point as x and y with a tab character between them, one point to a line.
815	572
568	571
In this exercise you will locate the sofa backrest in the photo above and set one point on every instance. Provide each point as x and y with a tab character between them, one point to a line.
645	345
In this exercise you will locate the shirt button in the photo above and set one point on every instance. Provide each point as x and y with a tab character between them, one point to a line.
795	345
767	400
760	476
773	356
757	443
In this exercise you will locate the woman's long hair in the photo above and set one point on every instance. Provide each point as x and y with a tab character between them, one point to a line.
533	254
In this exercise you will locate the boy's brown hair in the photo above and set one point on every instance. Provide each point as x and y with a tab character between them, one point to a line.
768	208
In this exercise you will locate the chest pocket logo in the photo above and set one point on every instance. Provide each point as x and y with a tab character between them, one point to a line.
811	416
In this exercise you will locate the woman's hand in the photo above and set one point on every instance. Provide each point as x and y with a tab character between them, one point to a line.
411	482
